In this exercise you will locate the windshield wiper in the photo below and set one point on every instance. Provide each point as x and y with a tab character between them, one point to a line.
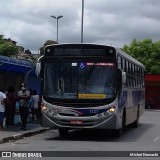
89	74
60	83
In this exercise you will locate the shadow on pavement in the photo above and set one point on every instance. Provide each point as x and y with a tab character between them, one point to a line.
129	134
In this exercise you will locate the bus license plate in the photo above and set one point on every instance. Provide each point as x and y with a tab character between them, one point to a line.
77	122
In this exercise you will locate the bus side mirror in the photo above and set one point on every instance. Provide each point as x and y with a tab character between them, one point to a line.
39	67
121	79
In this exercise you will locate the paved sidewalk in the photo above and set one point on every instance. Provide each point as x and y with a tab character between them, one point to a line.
14	132
154	110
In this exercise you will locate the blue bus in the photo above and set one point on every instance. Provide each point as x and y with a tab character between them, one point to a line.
90	86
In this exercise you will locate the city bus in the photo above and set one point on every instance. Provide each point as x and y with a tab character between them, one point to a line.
90	86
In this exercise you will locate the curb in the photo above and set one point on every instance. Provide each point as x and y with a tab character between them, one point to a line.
21	135
155	110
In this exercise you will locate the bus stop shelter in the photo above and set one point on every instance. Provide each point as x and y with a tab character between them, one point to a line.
15	71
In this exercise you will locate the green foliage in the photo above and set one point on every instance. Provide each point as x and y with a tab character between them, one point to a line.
28	51
7	48
147	52
48	42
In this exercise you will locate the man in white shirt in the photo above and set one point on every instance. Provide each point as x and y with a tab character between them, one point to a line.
2	108
23	96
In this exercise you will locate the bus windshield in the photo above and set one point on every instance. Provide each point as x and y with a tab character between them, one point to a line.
79	80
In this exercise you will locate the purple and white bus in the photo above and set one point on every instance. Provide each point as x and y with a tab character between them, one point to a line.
90	86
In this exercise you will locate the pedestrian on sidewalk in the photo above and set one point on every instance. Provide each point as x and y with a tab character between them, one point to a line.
34	102
23	97
2	107
10	105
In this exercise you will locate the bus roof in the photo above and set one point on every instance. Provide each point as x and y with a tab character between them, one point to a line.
79	44
118	50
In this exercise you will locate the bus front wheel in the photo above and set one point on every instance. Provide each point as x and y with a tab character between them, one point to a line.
136	122
118	132
63	132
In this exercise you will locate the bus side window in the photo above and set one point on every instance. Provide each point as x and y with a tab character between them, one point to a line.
129	74
127	81
124	69
119	62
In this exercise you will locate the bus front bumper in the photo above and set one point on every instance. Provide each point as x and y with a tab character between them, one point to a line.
87	122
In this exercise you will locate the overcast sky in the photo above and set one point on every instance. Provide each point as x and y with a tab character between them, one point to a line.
115	22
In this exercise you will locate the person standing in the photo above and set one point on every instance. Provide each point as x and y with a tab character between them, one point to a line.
10	106
35	105
2	108
23	97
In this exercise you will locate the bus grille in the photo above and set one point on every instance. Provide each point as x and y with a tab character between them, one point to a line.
85	123
73	115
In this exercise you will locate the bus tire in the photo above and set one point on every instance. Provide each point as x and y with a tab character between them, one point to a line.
63	132
136	122
124	119
119	131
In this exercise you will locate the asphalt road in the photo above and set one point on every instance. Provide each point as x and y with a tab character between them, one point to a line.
144	138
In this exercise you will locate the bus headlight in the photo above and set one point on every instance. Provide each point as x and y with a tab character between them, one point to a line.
44	107
112	109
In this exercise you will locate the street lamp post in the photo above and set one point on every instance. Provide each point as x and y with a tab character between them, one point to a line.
82	21
57	18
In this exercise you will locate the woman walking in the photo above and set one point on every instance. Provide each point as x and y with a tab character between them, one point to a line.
10	105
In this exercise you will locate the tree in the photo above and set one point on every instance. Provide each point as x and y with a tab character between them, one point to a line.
48	42
27	51
7	48
147	52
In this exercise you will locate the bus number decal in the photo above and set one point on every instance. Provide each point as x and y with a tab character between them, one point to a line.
92	111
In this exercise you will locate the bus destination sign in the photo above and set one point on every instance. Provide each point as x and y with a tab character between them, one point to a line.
50	51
